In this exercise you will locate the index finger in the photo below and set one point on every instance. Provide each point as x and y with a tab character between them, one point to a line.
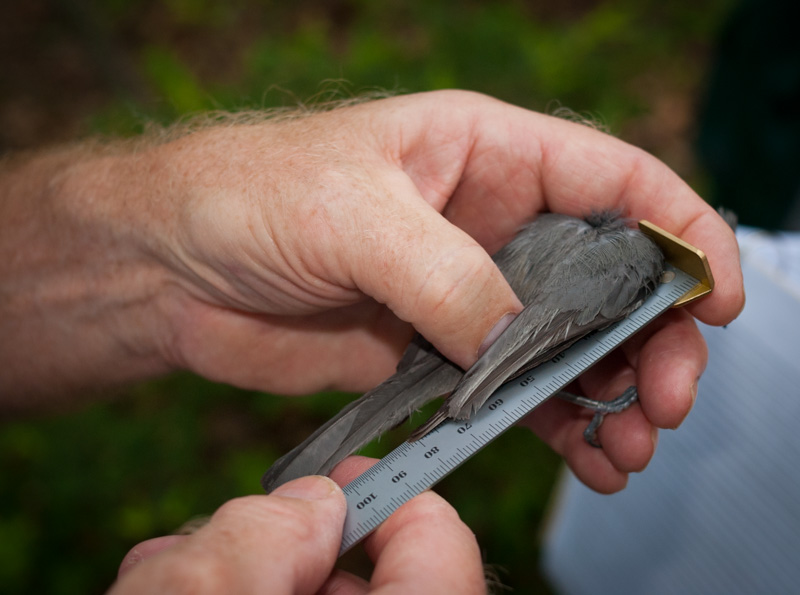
615	175
424	547
521	162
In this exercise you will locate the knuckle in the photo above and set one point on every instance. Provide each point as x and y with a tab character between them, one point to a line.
455	281
430	508
285	516
198	574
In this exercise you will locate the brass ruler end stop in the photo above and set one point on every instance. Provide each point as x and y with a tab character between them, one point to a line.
685	257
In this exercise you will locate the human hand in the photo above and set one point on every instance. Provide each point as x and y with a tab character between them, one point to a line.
295	255
348	205
288	542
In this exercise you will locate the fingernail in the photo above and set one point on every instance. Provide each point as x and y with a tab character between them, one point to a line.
313	487
496	331
693	396
654	436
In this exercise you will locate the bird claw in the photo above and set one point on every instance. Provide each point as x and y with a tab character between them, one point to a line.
590	433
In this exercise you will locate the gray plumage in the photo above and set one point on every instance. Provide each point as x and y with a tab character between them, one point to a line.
574	276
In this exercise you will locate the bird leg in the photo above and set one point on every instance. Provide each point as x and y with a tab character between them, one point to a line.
601	409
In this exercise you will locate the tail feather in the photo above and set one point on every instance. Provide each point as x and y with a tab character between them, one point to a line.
433	422
366	418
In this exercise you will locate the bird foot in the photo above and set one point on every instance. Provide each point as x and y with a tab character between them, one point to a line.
601	409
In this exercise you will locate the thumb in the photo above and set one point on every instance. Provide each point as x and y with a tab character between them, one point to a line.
435	276
288	540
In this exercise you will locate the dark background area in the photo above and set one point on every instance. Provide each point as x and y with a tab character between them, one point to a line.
81	488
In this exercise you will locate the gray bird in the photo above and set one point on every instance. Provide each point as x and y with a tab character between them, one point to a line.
574	276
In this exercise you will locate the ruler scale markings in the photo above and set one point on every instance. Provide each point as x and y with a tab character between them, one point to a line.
517	398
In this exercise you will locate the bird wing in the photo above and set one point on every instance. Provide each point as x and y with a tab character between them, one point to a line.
523	345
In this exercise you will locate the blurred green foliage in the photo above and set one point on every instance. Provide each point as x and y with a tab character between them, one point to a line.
80	489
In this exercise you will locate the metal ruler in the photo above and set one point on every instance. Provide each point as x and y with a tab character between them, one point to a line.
414	467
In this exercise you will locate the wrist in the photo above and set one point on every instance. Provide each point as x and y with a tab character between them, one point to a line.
79	277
